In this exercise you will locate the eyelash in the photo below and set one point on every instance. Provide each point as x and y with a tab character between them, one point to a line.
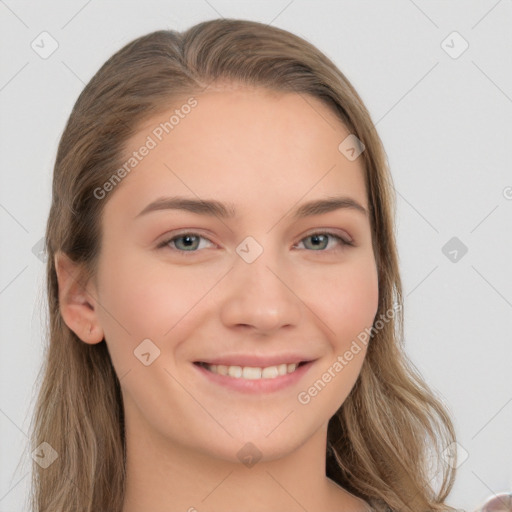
343	243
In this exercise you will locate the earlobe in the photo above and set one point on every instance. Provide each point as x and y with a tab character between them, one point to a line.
77	300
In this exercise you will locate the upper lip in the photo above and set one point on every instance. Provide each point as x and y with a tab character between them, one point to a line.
256	361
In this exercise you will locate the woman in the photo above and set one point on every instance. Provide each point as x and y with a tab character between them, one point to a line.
264	369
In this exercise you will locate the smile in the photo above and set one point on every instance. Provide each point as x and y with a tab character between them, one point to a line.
254	379
251	372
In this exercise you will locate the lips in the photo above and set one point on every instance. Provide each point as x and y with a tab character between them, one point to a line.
256	361
252	372
254	379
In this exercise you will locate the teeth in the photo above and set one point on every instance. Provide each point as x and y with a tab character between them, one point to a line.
222	369
235	371
271	372
252	373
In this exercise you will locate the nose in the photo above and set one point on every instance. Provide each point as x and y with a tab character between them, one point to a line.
261	295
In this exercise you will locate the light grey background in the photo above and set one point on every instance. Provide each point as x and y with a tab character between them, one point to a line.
446	124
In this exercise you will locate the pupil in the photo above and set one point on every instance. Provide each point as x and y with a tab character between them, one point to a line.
316	239
188	240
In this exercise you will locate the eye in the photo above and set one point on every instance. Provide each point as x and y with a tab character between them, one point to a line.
189	242
320	241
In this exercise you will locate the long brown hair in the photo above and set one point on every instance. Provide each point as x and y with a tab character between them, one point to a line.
389	429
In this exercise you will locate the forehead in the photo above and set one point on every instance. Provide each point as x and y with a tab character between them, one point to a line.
247	146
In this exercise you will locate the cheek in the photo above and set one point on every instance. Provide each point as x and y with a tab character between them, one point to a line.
141	300
349	302
347	305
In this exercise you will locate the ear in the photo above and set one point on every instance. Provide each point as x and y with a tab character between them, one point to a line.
78	306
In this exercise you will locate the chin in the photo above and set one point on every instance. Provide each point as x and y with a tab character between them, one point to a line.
268	445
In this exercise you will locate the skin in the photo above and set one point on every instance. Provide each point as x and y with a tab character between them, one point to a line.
266	153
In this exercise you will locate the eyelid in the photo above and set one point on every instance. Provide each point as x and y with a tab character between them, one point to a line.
330	231
334	233
314	231
169	237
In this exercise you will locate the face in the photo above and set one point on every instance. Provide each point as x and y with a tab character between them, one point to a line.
261	288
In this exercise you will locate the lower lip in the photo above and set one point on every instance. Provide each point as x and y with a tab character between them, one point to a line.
256	385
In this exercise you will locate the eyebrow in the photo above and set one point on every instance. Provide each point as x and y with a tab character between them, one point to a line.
215	208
